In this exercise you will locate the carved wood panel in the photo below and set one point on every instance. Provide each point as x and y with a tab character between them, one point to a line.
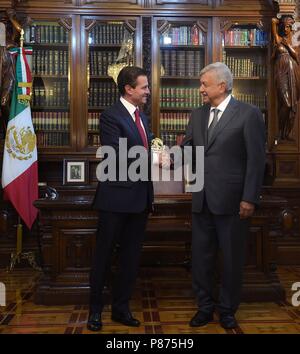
77	247
287	168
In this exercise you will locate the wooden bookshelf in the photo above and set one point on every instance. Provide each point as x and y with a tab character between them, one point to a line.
182	53
245	51
50	105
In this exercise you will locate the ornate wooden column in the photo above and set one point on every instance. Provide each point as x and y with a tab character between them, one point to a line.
284	147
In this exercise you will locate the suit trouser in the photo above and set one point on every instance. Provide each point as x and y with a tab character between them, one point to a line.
210	233
128	230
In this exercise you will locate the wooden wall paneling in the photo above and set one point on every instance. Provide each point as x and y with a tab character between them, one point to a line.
288	240
81	6
67	246
169	7
216	52
287	169
226	7
287	236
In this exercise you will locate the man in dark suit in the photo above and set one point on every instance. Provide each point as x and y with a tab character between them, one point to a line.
233	136
124	204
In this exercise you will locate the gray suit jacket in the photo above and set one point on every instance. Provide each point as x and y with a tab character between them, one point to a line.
234	158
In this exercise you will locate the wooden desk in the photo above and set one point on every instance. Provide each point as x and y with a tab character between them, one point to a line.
68	233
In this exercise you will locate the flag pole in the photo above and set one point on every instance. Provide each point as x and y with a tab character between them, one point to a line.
18	255
20	226
19	237
22	38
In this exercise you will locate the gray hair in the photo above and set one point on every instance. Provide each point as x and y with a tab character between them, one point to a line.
223	74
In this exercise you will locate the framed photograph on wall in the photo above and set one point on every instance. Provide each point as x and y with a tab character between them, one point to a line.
75	172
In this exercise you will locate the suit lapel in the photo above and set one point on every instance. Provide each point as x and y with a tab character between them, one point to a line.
129	121
227	116
204	123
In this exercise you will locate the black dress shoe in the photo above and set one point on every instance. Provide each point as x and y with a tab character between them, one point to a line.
125	318
201	319
228	321
94	322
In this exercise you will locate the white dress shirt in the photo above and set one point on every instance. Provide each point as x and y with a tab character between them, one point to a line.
221	107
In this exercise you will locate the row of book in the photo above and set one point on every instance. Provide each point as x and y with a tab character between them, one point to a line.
245	37
102	94
171	139
246	67
183	35
93	121
45	139
50	62
99	61
182	62
51	96
184	97
50	33
50	120
93	140
174	120
107	34
257	100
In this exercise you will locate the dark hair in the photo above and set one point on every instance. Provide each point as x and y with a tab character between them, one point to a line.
128	76
285	19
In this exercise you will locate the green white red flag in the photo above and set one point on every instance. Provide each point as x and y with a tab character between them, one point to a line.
19	170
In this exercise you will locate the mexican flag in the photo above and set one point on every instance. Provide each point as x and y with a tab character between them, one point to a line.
19	170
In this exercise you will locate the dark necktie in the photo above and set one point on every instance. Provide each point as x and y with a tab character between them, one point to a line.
212	124
140	128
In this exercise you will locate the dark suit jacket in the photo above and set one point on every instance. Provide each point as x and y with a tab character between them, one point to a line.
234	159
123	196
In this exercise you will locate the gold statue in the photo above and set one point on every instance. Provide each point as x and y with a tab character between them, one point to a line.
125	57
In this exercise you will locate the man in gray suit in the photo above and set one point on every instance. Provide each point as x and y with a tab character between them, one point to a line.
233	136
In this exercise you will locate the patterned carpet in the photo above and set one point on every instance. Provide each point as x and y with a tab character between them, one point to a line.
164	304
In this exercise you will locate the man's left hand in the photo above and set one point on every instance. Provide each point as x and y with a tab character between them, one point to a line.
246	210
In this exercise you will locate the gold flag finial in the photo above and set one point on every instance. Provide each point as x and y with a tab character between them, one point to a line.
22	38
